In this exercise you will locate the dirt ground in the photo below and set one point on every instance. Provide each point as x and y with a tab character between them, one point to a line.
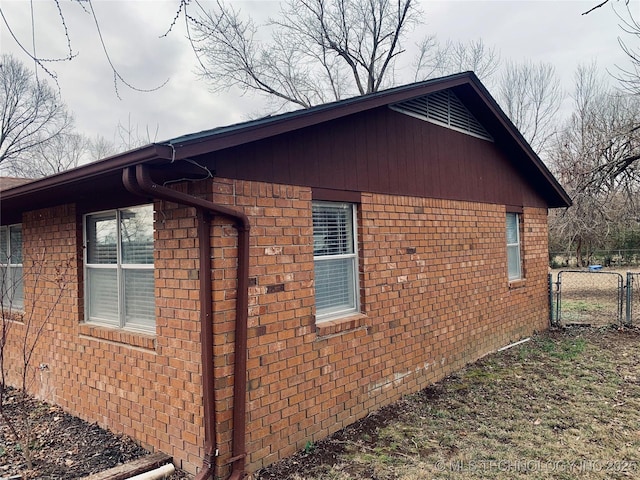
564	405
63	446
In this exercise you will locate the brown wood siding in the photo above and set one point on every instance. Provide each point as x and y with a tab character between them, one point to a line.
382	151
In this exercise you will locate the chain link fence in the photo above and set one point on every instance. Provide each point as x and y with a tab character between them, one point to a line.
594	297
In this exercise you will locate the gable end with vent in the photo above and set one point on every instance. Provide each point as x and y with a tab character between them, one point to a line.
444	109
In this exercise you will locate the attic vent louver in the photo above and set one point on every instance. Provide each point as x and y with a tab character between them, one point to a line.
445	109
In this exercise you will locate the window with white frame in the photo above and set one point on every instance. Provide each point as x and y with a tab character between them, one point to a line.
514	262
119	280
11	272
335	259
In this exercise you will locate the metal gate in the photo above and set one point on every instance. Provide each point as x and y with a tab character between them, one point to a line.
633	298
597	298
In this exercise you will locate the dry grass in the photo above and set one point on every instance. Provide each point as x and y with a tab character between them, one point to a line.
564	405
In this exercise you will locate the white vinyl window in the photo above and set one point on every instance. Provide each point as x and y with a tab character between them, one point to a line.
119	278
11	272
335	259
514	262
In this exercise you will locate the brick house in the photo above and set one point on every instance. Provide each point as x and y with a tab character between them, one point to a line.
333	259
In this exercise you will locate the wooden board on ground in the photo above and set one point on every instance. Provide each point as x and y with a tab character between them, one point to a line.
130	469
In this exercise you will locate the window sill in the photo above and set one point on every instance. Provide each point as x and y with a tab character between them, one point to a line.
514	284
338	326
15	315
126	337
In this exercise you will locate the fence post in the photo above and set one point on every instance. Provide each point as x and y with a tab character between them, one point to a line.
550	287
629	296
558	304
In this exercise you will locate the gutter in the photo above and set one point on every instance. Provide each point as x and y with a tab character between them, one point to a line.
140	183
91	170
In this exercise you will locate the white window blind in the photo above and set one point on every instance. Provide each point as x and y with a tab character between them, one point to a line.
136	232
102	241
11	271
119	268
514	264
335	259
102	287
140	298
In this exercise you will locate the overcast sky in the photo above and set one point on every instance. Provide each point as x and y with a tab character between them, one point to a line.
551	31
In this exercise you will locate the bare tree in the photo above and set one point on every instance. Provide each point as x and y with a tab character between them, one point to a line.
69	149
531	96
435	59
626	165
324	50
125	137
319	50
629	76
21	332
101	147
591	160
612	120
62	152
31	114
129	136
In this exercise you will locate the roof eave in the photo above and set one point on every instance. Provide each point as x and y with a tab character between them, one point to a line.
144	154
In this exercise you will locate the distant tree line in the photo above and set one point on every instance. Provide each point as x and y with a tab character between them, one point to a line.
595	156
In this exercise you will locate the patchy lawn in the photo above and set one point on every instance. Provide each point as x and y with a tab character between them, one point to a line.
564	405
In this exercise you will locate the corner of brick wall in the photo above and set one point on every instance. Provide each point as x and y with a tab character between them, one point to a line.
434	297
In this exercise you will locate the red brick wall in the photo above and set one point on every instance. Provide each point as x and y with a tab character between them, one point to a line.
434	296
50	263
145	386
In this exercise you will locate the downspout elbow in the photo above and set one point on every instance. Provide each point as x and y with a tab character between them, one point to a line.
242	223
147	184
